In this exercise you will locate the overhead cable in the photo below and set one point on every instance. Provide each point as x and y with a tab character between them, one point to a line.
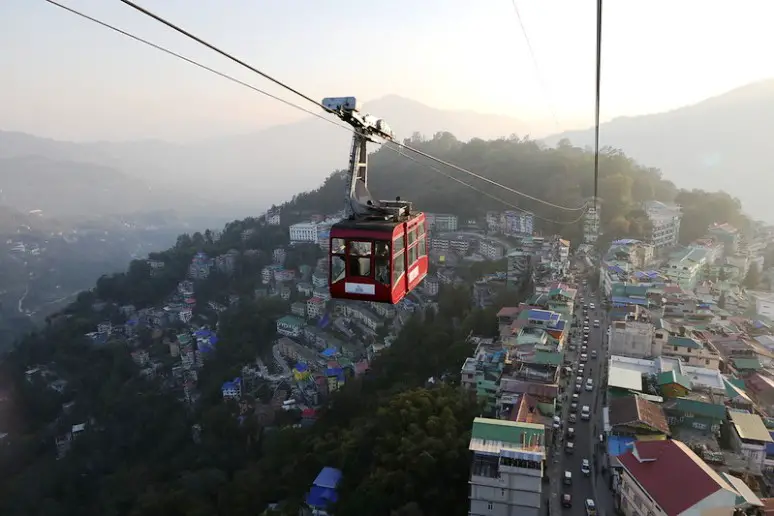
316	103
198	64
295	106
395	148
597	96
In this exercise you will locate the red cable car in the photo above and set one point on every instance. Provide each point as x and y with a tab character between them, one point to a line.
378	260
378	252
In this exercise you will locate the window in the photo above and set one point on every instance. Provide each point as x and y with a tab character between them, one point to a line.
398	257
382	261
338	269
338	265
421	229
412	236
412	255
422	246
489	506
359	259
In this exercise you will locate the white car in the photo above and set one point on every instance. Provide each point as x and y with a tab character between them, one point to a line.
591	507
596	323
586	467
584	357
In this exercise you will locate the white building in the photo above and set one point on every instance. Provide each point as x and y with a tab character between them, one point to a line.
442	222
273	217
631	339
303	232
507	468
665	222
490	250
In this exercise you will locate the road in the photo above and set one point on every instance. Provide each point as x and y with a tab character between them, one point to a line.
586	432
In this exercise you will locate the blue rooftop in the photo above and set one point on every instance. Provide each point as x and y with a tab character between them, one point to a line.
329	352
328	477
542	315
629	301
618	445
302	367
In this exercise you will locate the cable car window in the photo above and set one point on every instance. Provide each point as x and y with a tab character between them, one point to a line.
382	261
338	246
397	245
359	248
338	269
422	246
421	229
398	268
412	254
412	236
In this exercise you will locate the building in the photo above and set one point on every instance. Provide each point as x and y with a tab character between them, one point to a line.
667	478
631	339
303	232
442	222
665	223
635	416
750	437
323	493
591	225
315	307
490	250
273	217
507	468
727	235
685	266
290	326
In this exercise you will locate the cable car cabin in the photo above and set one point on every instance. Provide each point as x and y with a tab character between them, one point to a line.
377	260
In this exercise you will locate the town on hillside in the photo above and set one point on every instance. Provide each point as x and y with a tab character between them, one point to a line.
636	379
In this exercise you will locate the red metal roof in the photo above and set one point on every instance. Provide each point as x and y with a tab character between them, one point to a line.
674	476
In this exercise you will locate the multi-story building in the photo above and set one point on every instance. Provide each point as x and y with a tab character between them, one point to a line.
315	307
273	217
665	223
685	267
290	326
727	235
200	266
442	222
490	250
631	339
506	476
431	286
591	225
303	232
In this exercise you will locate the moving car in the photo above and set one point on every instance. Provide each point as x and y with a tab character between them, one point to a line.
591	507
589	384
566	500
594	354
586	467
585	413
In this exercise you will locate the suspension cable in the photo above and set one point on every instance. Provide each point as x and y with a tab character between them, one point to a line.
295	106
316	103
597	102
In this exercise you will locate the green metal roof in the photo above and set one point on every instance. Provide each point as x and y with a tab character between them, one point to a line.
668	377
291	320
548	358
685	342
505	431
696	407
750	364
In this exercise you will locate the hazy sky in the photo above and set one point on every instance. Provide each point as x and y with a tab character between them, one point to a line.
67	78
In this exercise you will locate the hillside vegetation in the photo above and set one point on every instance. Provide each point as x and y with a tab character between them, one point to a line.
561	175
402	446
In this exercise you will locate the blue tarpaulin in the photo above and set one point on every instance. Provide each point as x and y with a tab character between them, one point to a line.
629	301
618	445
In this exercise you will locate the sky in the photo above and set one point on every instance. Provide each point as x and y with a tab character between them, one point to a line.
71	79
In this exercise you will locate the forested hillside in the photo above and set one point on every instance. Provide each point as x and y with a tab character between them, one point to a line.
402	445
562	175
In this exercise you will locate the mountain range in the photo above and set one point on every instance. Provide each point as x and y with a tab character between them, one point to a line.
715	144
